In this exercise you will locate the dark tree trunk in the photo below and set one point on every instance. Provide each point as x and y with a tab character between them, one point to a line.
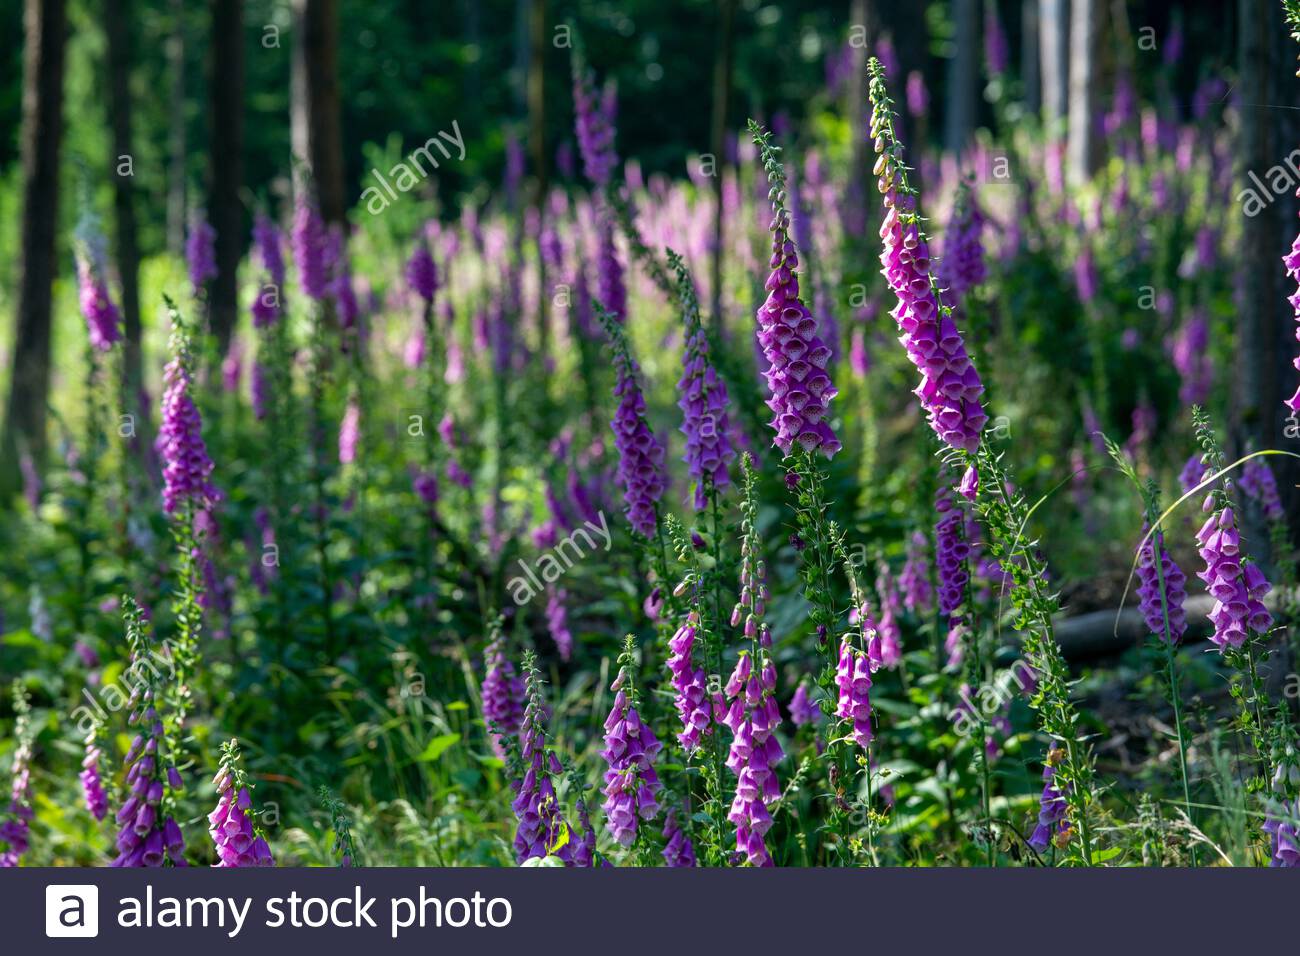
963	76
1030	64
857	193
1264	375
1085	47
225	212
722	76
1054	61
176	172
117	19
537	98
473	71
45	24
537	149
316	133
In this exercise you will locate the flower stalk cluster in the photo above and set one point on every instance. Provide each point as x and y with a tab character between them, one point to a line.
631	784
541	830
149	835
239	842
341	825
502	690
950	386
641	456
16	821
703	400
92	786
797	358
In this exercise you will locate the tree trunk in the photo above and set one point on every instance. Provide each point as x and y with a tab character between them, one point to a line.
722	75
473	70
1030	65
314	94
1054	59
225	211
1264	375
176	172
857	194
1085	43
963	77
537	149
45	23
117	17
537	98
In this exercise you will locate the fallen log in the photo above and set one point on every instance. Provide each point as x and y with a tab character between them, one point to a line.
1100	634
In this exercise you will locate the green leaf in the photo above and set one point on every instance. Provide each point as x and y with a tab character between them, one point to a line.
437	745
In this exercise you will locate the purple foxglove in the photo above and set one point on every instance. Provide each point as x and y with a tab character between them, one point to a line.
16	819
950	386
186	465
631	784
421	272
1156	603
1237	585
853	682
753	716
267	303
678	850
200	252
703	401
802	708
1259	485
887	626
1292	262
557	620
97	308
693	705
914	579
962	267
640	455
502	691
92	787
350	433
594	125
1052	827
536	805
951	552
1194	472
1282	827
799	386
237	840
309	240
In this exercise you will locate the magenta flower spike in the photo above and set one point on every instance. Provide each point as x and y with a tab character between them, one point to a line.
631	783
950	386
97	306
200	252
1150	578
705	421
536	805
1292	262
186	465
239	842
92	787
641	456
800	389
149	835
502	690
1052	827
16	818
